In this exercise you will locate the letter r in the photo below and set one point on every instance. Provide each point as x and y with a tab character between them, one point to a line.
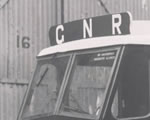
116	25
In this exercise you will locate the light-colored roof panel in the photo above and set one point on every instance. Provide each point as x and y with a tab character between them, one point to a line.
140	34
95	43
140	27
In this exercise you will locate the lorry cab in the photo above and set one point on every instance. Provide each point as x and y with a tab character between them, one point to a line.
96	69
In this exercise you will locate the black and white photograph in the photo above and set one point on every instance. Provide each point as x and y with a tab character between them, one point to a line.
74	59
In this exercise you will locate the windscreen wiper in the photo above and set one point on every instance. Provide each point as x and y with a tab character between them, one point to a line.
42	76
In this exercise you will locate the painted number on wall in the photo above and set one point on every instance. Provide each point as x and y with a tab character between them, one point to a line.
23	42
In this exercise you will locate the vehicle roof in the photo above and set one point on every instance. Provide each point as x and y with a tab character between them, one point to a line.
140	34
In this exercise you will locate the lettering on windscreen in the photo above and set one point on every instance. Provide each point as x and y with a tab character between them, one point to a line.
103	58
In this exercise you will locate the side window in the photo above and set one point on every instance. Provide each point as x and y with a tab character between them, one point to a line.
132	95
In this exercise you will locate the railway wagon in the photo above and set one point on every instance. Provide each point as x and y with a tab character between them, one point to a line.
95	69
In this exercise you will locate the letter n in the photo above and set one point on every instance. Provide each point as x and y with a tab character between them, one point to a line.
87	28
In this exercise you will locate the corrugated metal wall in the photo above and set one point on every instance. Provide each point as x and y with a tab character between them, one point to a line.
140	9
77	9
24	26
10	100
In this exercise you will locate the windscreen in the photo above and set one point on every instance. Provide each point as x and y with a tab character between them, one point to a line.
85	91
45	87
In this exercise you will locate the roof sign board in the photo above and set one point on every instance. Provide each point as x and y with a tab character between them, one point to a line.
107	25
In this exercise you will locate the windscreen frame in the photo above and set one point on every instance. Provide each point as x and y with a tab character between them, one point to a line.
118	50
27	94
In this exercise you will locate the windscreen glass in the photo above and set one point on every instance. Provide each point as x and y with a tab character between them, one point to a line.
85	91
45	87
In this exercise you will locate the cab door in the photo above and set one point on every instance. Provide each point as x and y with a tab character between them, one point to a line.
130	95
